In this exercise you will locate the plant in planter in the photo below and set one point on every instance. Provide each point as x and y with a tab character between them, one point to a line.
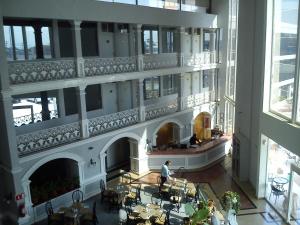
199	215
231	204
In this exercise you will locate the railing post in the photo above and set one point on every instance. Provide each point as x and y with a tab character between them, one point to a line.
78	48
84	122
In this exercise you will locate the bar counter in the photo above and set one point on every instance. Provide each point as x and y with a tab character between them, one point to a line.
191	158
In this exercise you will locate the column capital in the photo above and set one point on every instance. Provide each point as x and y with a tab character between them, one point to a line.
139	27
81	89
76	24
181	30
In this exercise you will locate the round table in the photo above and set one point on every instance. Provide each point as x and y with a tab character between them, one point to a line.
280	180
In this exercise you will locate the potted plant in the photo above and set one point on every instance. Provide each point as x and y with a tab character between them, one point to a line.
199	214
231	204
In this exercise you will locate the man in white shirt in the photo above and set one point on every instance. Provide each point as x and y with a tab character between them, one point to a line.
165	173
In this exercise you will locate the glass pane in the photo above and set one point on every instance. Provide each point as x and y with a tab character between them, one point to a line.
30	42
229	123
155	42
170	41
46	42
147	42
172	4
8	43
19	44
284	55
295	206
208	80
151	3
206	42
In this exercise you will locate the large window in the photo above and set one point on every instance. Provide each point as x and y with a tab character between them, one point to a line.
170	84
150	40
284	52
20	42
207	83
152	87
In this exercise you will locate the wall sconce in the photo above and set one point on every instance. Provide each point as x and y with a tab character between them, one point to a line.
92	162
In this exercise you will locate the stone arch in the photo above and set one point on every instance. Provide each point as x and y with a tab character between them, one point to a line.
174	121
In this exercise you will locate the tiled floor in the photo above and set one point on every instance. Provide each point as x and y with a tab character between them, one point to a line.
214	181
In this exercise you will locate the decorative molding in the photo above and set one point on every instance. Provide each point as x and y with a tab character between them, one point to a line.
113	121
158	61
198	99
96	66
158	110
48	138
33	118
30	71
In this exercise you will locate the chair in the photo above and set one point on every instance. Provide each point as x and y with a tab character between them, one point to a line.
276	192
53	218
90	218
115	201
105	195
156	199
77	196
135	196
163	219
176	199
126	178
132	217
191	191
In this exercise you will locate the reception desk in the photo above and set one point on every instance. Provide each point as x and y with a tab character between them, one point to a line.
191	158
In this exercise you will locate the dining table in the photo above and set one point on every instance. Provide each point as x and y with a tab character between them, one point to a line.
75	212
145	212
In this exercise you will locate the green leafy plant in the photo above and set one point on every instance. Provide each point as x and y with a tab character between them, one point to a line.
198	214
231	200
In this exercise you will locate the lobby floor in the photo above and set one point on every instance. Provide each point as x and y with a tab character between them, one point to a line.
214	181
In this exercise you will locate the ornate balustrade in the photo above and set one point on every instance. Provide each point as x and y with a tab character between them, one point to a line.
41	70
198	99
113	121
198	59
32	118
48	138
95	66
155	110
158	61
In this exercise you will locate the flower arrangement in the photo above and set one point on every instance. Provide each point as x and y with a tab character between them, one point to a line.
231	200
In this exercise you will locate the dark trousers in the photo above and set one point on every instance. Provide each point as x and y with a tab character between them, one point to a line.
162	181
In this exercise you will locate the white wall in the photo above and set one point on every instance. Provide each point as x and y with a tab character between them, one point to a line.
107	44
109	98
124	95
121	45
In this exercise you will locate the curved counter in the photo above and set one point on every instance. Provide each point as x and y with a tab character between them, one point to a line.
191	158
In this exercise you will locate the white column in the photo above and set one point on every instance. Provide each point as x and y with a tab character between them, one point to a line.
78	48
56	44
161	84
8	132
212	47
134	93
116	30
193	40
160	40
99	36
181	32
102	163
181	95
82	111
201	39
61	103
138	47
4	78
81	175
28	201
131	41
141	100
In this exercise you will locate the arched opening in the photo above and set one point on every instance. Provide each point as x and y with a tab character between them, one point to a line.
118	157
202	126
53	179
168	136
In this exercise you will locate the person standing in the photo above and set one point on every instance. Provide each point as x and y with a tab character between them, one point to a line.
165	174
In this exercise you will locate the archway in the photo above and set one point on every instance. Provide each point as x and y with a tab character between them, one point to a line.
202	126
47	184
168	135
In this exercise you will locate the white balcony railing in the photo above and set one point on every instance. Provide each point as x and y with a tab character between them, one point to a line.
157	110
33	118
198	59
95	66
47	138
30	71
159	61
198	99
113	121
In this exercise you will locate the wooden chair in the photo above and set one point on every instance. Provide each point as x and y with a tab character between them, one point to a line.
77	196
53	218
135	196
176	199
156	199
132	217
90	218
164	219
126	178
